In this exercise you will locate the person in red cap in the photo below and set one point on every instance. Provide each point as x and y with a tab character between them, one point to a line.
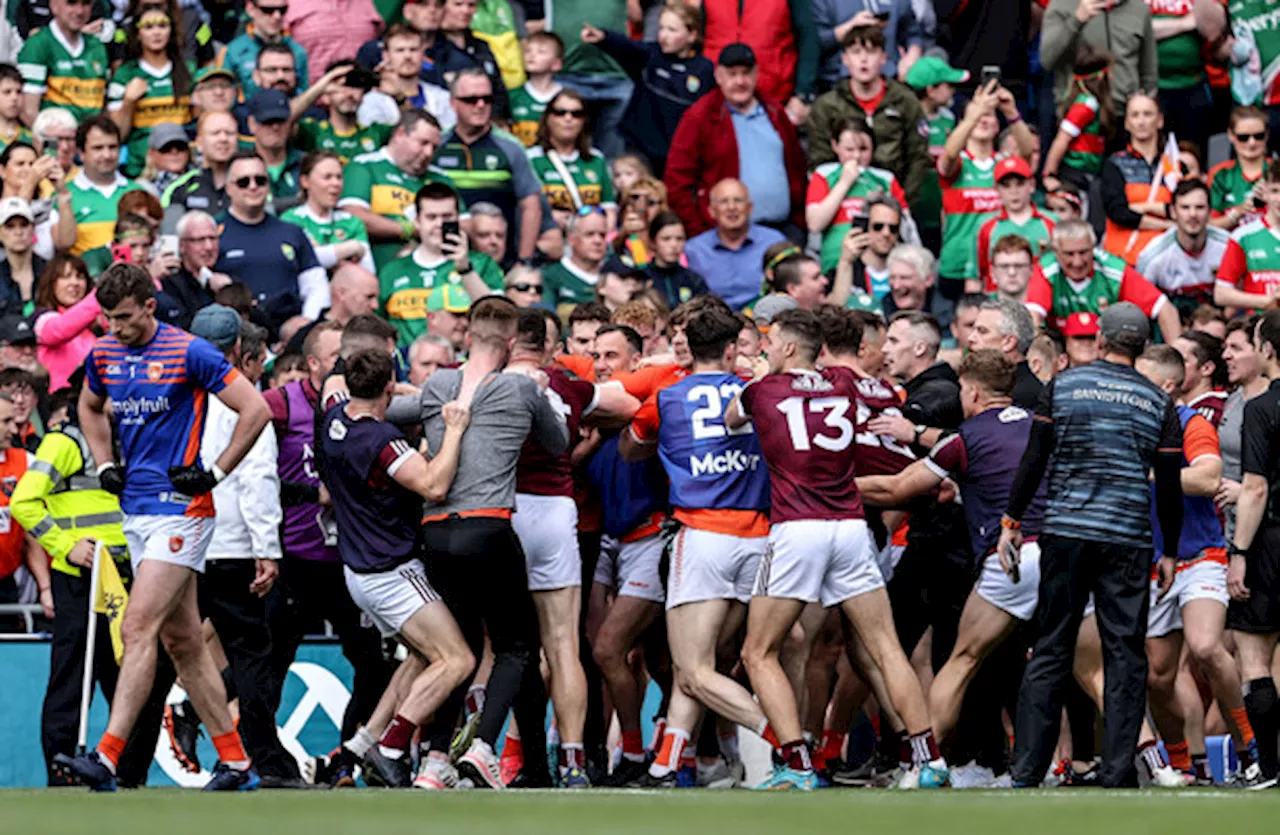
1015	184
1081	331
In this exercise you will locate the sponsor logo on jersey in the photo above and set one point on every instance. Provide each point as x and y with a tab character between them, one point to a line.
729	461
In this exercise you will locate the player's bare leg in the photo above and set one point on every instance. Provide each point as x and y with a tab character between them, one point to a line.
558	612
796	649
769	623
1203	626
982	628
1163	656
695	630
627	618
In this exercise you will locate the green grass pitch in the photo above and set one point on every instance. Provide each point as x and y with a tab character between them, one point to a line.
833	812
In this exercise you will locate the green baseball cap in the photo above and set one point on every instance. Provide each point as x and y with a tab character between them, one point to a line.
929	71
214	72
450	297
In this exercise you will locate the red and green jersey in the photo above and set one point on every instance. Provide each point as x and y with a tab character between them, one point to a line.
870	181
928	207
1262	19
1088	146
1229	187
967	198
1112	281
1036	230
1252	260
1179	57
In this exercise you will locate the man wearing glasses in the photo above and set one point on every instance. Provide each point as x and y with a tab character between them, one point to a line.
1017	216
272	258
266	25
489	167
61	67
862	273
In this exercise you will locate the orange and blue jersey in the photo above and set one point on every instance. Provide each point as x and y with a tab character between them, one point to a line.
160	394
1201	535
719	480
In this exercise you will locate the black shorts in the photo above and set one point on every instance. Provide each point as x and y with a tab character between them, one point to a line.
1260	614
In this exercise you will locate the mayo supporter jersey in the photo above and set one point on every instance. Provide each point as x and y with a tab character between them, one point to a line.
1179	57
378	521
1252	259
1201	528
1088	146
1262	19
967	198
1177	272
64	77
870	181
539	472
160	393
1229	187
711	466
805	423
983	458
1112	281
878	454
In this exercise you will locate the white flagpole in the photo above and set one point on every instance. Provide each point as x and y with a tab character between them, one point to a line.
90	652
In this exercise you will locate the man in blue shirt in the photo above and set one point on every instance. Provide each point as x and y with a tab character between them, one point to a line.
159	379
273	258
731	256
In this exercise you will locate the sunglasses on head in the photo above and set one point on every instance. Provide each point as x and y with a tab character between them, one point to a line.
586	211
1252	137
885	227
525	287
256	180
473	100
561	111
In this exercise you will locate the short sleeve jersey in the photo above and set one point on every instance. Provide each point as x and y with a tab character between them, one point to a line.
95	210
1260	446
539	472
378	521
372	181
339	227
321	135
268	257
1252	259
1229	187
1112	281
64	77
160	393
967	198
1258	17
1210	406
405	283
157	106
983	458
1088	146
869	182
805	423
589	176
1177	272
878	454
1037	231
1201	527
526	111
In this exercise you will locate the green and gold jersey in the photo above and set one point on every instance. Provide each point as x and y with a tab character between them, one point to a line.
157	106
20	134
405	283
527	107
589	177
64	77
321	135
374	182
95	210
337	228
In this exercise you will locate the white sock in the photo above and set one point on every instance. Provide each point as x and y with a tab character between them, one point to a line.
360	743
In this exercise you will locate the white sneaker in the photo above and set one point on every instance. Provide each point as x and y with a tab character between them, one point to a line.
1168	777
722	775
436	775
972	776
481	766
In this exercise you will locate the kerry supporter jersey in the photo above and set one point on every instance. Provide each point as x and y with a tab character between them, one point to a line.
158	105
870	181
321	135
805	422
590	177
527	108
1252	260
374	182
64	77
967	198
538	472
1262	19
160	393
405	283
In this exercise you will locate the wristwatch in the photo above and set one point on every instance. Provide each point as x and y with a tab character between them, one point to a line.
920	429
1233	551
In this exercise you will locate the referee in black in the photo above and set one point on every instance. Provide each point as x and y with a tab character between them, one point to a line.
1253	573
1099	430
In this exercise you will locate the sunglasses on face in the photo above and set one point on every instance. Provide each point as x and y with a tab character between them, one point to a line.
274	10
891	228
257	181
474	100
524	287
79	2
576	114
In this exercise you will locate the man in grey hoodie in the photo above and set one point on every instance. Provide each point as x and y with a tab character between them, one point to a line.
1121	27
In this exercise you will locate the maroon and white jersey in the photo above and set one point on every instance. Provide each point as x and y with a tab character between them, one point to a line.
805	424
878	454
538	472
1210	406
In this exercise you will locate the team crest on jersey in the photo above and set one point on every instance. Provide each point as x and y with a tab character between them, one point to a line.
288	251
340	234
591	176
175	544
337	430
811	382
367	143
155	370
7	485
491	163
692	83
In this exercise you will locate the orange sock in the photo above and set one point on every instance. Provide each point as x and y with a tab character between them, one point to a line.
1179	755
513	749
230	748
673	742
1241	717
110	748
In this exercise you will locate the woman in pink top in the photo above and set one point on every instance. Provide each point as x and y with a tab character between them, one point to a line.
66	313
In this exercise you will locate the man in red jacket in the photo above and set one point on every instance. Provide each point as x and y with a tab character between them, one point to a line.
729	124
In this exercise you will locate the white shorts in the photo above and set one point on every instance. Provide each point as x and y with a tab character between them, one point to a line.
638	574
712	566
548	530
819	560
1017	599
607	565
390	598
181	540
888	558
1203	579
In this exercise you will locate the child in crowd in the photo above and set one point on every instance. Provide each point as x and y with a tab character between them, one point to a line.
543	57
629	169
11	129
1078	150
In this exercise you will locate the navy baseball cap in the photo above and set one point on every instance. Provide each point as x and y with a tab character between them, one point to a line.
737	54
269	106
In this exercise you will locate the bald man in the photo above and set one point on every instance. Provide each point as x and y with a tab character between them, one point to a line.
353	291
729	256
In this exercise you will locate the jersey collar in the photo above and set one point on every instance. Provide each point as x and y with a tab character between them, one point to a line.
83	183
62	39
